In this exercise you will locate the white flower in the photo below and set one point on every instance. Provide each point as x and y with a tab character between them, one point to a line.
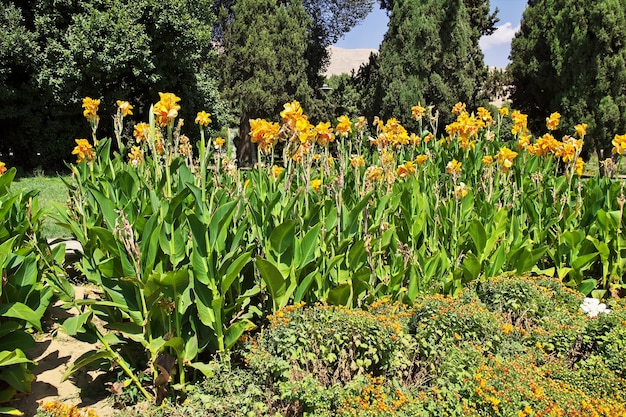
593	307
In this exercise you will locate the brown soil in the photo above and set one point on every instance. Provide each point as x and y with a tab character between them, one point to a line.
54	353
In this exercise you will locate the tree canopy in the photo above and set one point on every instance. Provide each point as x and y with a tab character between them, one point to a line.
430	55
570	56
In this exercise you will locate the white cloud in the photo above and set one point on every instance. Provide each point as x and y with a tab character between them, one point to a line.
503	35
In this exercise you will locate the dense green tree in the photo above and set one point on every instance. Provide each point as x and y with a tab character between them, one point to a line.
429	55
106	49
263	62
570	56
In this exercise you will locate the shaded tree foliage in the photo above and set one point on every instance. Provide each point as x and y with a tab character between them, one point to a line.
107	49
570	56
430	55
263	62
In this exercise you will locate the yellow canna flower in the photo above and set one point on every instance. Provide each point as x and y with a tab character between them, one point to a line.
504	111
83	151
458	108
135	156
406	169
453	167
580	166
3	168
373	173
141	132
619	144
90	111
316	184
361	123
264	133
324	134
344	127
418	111
421	159
291	113
487	160
218	142
485	115
581	129
357	161
184	147
505	158
203	118
124	107
166	109
276	171
460	191
552	122
520	122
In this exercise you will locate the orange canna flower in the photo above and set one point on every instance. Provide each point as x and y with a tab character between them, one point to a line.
141	132
581	130
458	108
203	118
406	169
124	107
344	127
83	151
324	133
552	122
418	111
90	111
166	109
453	167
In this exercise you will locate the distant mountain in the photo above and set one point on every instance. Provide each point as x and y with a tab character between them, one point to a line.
345	60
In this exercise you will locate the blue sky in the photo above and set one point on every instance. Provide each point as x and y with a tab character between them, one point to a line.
369	34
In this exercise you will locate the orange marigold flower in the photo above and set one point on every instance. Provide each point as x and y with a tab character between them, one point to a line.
580	166
90	111
3	168
135	156
418	111
552	122
203	118
141	132
581	129
344	127
166	109
619	144
125	108
453	167
83	151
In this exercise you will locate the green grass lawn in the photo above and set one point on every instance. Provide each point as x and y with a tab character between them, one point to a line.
51	189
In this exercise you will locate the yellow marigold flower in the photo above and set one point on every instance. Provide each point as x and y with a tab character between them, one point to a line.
458	108
580	166
406	169
619	144
166	109
316	184
3	168
357	161
135	156
124	107
344	127
324	134
504	111
487	160
421	159
506	157
218	142
90	111
581	129
276	171
460	191
453	167
552	122
203	118
83	151
141	132
418	112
